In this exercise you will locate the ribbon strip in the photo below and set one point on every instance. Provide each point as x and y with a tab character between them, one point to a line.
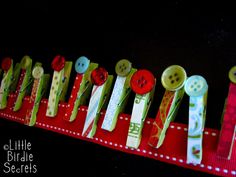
228	129
113	108
98	97
197	112
167	111
38	90
140	109
58	89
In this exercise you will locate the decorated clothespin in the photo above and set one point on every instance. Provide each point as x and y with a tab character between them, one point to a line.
120	94
38	91
23	82
173	79
82	87
7	67
99	96
196	87
59	85
143	84
228	127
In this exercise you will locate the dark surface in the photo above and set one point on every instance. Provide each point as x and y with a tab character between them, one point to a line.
199	37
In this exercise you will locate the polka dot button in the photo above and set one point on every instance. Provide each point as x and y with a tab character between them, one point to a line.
142	82
82	64
99	76
37	72
173	78
232	74
25	62
58	63
196	86
123	67
6	63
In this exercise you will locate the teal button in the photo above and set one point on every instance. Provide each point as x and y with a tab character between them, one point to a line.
82	64
196	86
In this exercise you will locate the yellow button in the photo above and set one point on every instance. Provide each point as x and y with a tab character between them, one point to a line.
232	74
25	62
173	78
37	72
123	67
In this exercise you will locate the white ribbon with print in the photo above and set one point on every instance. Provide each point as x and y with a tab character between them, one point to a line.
113	105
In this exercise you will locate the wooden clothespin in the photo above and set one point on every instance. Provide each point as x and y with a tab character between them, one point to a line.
143	84
7	67
40	85
61	77
120	94
24	81
228	127
173	79
99	97
196	87
82	87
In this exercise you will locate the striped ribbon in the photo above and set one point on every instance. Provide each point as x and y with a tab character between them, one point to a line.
93	108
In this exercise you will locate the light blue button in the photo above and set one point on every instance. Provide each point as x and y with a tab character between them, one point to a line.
82	64
196	86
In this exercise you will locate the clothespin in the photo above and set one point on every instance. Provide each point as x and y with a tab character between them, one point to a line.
82	87
228	127
196	87
173	79
143	84
7	67
120	94
100	93
60	80
38	91
23	82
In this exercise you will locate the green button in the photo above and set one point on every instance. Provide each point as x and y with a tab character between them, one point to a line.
173	78
123	67
232	74
37	72
25	62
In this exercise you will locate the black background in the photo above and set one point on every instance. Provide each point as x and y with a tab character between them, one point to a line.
199	37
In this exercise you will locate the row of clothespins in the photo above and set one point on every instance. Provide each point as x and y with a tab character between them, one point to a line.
94	83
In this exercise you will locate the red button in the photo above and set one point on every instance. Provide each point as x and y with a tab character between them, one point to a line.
142	81
6	64
99	76
58	63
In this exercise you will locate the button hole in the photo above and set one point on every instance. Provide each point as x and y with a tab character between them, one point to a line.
172	81
170	77
175	74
